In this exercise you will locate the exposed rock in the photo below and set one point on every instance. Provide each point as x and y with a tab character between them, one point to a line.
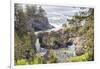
79	42
39	23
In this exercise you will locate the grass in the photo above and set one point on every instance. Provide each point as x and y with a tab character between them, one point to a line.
21	62
84	57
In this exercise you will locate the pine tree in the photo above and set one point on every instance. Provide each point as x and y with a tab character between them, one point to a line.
41	11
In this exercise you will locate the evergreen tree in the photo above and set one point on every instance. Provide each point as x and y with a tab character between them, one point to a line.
31	11
41	11
20	20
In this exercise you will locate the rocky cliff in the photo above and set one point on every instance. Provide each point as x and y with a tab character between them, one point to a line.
38	23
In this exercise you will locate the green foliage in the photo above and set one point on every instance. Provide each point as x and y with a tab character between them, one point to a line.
41	11
21	45
25	39
20	20
30	10
21	62
82	31
52	58
18	48
35	60
85	57
38	60
88	32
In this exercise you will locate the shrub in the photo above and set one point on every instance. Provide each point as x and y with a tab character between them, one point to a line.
21	62
84	57
38	60
52	58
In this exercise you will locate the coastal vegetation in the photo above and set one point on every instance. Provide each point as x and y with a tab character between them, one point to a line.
55	46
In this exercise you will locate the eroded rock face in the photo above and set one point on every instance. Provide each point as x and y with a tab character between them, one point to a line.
79	43
39	23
